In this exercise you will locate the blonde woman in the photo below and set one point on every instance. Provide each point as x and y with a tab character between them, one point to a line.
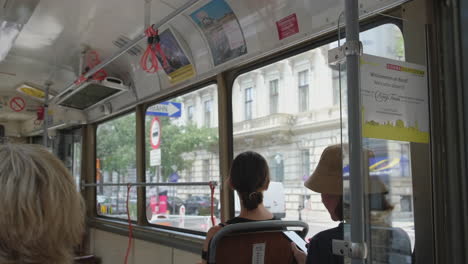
42	214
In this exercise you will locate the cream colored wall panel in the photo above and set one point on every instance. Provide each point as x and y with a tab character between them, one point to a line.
183	257
147	252
111	248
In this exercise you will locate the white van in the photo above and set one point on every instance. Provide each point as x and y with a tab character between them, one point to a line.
273	199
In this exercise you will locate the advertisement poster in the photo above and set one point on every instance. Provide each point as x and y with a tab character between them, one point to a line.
394	100
178	67
222	31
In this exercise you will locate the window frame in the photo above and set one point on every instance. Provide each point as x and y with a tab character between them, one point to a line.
170	96
104	121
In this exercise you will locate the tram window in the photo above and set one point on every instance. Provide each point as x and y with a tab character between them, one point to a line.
305	119
183	148
116	163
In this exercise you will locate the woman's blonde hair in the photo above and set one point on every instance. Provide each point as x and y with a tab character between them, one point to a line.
41	211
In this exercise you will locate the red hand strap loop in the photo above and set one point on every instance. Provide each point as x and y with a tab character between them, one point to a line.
212	188
130	226
152	51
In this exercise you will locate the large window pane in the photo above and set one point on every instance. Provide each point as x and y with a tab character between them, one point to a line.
296	118
183	148
116	163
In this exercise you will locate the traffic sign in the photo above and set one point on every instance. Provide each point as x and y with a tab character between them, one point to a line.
17	104
155	157
170	109
155	133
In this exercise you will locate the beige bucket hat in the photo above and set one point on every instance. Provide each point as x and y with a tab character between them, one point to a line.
328	176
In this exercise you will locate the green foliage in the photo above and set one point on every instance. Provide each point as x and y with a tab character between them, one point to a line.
116	144
399	45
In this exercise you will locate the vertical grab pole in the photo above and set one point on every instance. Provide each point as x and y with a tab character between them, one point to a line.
354	125
45	135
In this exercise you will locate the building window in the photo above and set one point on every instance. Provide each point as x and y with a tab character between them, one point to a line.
274	96
190	111
406	203
277	168
208	111
303	85
305	161
206	170
248	103
336	86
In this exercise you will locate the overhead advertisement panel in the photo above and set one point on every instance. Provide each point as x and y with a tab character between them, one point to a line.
176	64
222	31
394	100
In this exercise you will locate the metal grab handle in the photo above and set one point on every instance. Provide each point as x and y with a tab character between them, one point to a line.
142	184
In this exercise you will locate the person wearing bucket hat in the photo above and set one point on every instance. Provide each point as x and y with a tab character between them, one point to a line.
327	179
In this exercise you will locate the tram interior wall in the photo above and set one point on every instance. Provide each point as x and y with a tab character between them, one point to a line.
111	248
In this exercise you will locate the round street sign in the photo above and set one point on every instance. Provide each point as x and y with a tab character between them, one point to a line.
155	133
17	104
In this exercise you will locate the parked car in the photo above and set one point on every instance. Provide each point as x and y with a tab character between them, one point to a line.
200	205
174	204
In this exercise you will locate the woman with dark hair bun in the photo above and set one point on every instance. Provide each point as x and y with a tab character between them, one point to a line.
249	177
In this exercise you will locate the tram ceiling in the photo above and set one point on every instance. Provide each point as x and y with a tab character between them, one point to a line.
58	30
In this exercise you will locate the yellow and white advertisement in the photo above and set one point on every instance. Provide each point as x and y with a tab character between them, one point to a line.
176	64
394	100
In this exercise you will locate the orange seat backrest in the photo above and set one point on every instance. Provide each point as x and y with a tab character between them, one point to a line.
239	248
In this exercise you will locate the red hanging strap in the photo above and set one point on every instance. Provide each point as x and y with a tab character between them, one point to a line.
92	60
80	80
212	188
152	51
130	226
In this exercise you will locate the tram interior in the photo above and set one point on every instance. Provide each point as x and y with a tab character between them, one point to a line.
147	103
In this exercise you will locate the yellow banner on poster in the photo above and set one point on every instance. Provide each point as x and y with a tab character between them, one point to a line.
394	100
182	74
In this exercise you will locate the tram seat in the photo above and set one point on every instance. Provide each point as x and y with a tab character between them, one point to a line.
390	245
90	259
237	243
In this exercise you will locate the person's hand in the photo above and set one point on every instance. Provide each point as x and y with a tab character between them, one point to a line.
299	255
210	235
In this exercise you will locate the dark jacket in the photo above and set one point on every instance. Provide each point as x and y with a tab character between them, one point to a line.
320	247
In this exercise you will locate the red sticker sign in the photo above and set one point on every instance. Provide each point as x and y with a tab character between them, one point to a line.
17	104
155	133
287	26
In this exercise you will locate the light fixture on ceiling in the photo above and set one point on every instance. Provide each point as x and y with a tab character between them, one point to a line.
32	91
8	33
14	14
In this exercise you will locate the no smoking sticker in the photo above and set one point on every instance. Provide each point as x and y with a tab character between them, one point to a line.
17	104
